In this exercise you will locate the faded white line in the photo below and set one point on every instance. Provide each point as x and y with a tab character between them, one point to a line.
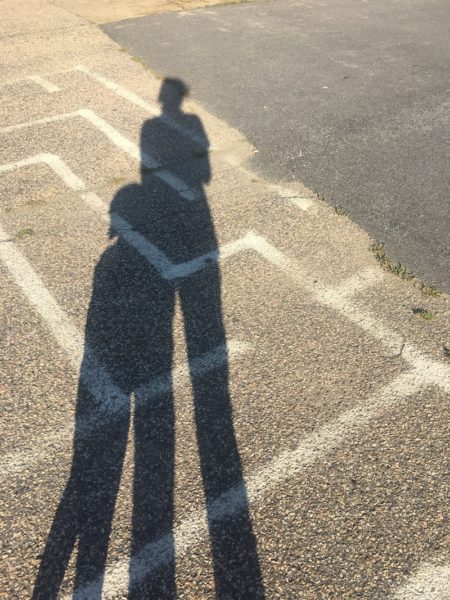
45	83
192	266
112	404
120	141
434	372
315	446
33	289
327	296
37	122
155	256
149	251
28	77
54	162
287	465
301	202
359	282
151	108
429	582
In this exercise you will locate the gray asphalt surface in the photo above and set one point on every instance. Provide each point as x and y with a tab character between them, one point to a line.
349	97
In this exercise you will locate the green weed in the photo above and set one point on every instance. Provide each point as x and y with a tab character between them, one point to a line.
423	313
388	264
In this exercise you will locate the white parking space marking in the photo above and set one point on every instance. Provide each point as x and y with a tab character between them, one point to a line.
54	162
429	582
158	259
192	266
120	141
149	251
45	83
360	282
37	122
314	448
109	398
153	109
112	403
433	372
300	202
27	78
437	373
60	326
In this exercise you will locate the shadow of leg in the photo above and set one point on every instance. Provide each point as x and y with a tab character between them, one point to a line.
153	491
86	509
236	565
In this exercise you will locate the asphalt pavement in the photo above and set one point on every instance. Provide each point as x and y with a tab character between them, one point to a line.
351	98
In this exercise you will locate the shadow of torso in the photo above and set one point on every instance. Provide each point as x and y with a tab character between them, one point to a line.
131	311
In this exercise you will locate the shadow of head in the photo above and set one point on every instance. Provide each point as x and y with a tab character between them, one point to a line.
172	93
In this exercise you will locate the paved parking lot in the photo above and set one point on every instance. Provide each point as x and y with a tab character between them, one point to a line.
209	388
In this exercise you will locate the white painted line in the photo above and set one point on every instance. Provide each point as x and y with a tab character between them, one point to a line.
34	290
110	400
120	141
360	282
301	202
157	258
133	150
152	109
192	266
45	83
287	465
61	169
31	77
432	371
66	335
51	160
149	251
177	184
54	162
326	296
112	404
37	122
429	582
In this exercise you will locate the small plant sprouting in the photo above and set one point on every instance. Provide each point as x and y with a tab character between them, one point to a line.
423	313
430	290
321	197
24	232
388	264
341	211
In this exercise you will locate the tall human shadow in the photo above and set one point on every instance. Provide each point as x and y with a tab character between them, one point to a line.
129	332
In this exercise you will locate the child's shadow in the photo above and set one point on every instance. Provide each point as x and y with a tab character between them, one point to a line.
129	330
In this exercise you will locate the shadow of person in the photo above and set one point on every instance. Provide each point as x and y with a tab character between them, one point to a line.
129	332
